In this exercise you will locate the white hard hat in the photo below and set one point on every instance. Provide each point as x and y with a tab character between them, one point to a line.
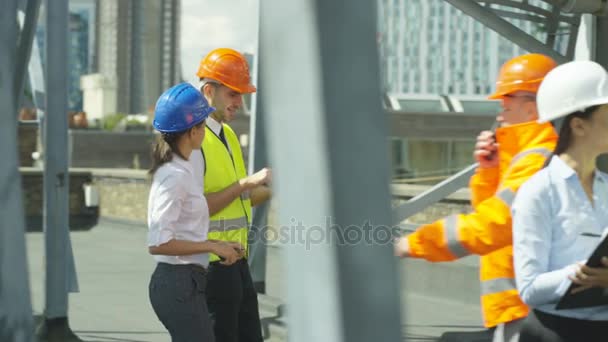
571	87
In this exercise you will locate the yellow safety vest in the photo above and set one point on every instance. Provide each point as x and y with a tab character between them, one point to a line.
222	170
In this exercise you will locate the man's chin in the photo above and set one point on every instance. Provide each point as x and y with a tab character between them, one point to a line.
228	117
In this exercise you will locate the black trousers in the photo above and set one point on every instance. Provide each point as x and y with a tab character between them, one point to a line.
233	303
543	327
177	295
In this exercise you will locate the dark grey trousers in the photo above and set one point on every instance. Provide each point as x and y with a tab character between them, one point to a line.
540	326
177	295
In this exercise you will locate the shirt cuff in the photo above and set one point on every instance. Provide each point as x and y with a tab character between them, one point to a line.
565	284
555	284
160	237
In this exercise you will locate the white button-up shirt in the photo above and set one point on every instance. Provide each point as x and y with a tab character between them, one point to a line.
196	158
555	226
177	210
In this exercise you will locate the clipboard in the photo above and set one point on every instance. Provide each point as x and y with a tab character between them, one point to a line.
594	296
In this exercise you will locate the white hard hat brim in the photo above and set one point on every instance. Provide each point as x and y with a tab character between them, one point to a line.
568	111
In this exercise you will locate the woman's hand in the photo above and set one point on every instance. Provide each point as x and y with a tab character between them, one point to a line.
589	277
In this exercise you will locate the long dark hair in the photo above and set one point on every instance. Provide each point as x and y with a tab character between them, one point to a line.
163	148
565	133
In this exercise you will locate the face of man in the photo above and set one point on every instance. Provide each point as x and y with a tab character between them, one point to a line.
225	100
518	107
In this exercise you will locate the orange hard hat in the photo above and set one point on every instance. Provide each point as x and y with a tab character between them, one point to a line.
228	67
522	73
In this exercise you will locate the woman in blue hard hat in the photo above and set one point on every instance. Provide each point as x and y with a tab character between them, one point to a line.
560	215
178	218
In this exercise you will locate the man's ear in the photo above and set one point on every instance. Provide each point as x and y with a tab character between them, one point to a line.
208	90
531	110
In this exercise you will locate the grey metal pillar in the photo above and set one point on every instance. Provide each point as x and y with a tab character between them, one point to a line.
258	159
60	276
16	322
137	84
601	56
327	137
601	41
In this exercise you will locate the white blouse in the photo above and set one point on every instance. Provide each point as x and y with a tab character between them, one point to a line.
554	227
177	210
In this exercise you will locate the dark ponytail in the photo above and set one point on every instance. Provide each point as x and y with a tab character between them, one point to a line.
565	133
163	148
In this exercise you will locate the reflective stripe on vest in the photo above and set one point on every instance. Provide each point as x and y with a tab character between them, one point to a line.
497	285
507	196
228	224
450	227
540	150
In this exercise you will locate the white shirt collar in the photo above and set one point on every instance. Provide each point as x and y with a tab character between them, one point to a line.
565	171
214	126
561	168
183	163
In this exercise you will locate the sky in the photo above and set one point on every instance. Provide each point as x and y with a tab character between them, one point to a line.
209	24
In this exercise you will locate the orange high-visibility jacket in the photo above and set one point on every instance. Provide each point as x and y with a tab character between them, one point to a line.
486	231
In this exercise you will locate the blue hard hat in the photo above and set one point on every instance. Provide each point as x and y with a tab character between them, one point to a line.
180	108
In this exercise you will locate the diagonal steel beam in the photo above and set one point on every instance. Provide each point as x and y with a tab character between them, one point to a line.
433	195
506	29
553	26
24	47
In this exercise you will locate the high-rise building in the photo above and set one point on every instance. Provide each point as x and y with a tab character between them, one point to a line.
430	47
138	46
78	58
81	46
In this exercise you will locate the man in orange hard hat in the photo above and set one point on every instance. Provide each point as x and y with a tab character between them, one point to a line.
507	158
230	193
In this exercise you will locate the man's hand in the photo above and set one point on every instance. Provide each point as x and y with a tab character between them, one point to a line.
589	277
402	247
264	176
259	194
486	150
238	248
228	252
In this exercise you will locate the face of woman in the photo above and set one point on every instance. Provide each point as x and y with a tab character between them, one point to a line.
592	132
596	130
197	134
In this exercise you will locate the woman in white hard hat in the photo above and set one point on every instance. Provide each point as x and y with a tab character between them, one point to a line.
561	214
178	218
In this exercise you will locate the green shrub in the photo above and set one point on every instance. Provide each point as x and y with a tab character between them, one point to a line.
111	121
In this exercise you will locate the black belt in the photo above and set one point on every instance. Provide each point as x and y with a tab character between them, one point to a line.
194	267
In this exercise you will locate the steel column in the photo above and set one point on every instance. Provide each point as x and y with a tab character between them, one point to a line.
16	322
327	139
